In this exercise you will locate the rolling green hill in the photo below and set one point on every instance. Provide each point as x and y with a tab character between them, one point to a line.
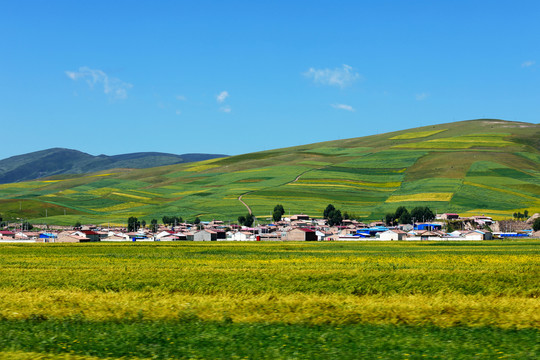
484	166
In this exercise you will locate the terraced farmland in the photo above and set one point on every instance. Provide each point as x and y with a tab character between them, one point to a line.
490	167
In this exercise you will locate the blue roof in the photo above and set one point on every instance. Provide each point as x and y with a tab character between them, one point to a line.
47	235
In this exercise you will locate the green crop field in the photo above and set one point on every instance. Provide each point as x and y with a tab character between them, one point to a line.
481	166
334	300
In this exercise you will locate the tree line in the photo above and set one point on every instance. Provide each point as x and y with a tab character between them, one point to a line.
331	214
403	216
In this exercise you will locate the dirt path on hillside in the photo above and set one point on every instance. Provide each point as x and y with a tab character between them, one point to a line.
243	203
288	182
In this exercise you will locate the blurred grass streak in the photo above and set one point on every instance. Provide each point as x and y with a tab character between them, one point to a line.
193	339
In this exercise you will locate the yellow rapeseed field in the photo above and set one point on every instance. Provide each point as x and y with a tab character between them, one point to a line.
416	135
436	284
421	197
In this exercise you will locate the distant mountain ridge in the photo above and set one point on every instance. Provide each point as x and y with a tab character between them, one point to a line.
59	161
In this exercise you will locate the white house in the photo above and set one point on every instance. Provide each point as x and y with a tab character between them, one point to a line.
205	235
392	235
478	235
240	236
164	233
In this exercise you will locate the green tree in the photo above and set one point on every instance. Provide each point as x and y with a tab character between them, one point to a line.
154	225
27	226
335	218
133	224
197	221
326	212
278	212
399	211
279	208
77	224
405	217
389	219
241	219
526	214
249	220
536	224
422	213
143	224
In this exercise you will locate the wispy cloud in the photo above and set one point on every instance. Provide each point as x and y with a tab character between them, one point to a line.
342	107
222	96
115	88
181	97
342	77
421	96
528	63
225	109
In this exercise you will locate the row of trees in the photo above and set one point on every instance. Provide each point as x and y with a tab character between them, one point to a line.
25	225
520	216
246	220
172	220
134	224
402	215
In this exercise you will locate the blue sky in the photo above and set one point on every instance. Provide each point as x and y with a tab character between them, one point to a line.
112	77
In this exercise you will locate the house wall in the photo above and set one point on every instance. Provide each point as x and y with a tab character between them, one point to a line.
204	236
389	236
300	235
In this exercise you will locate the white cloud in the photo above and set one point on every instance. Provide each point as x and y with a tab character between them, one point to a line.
421	96
342	107
181	97
113	87
178	112
528	63
222	96
341	77
225	109
72	75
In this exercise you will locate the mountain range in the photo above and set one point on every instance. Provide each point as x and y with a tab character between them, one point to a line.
59	161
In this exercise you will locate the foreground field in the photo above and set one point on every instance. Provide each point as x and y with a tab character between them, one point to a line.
270	300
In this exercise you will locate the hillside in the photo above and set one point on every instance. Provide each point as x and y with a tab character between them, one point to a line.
59	161
487	167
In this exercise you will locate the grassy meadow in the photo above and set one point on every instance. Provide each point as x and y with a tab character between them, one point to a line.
479	167
270	300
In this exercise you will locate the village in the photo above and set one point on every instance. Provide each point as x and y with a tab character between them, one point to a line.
298	227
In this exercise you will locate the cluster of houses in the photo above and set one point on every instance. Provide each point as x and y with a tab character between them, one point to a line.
294	228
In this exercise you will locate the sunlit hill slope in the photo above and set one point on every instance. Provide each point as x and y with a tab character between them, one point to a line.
471	167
